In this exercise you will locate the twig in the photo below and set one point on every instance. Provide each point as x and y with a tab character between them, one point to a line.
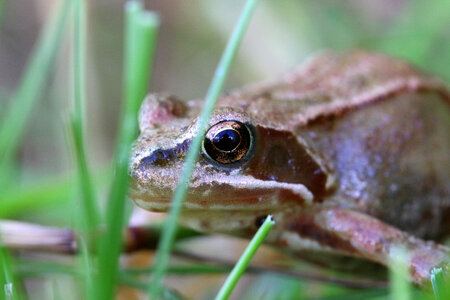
31	237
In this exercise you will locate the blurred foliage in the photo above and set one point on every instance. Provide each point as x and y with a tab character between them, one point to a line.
40	181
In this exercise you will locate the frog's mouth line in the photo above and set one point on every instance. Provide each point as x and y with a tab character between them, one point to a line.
163	205
239	193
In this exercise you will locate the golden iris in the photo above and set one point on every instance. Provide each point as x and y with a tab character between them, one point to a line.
227	142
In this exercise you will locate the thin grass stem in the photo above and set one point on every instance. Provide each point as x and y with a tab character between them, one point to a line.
14	120
8	283
87	215
32	84
400	287
245	259
141	29
89	209
182	270
169	230
438	283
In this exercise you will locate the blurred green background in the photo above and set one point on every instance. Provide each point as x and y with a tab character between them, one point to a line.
191	39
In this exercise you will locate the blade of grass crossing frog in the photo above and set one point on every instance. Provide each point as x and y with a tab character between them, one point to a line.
169	230
32	84
245	259
400	288
141	28
438	282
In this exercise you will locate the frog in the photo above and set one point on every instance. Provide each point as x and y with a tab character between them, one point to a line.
349	153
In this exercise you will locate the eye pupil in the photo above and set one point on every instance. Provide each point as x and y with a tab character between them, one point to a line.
227	140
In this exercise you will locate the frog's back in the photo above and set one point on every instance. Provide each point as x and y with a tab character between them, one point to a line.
391	160
380	124
328	85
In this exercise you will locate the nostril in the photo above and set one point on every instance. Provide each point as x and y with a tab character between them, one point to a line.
159	158
165	157
159	155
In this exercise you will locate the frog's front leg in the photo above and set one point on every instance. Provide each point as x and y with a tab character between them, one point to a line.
359	235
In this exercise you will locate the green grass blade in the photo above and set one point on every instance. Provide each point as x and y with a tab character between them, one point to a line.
89	209
32	83
8	283
400	287
438	283
85	263
43	194
215	89
244	260
87	214
182	270
32	268
38	196
141	28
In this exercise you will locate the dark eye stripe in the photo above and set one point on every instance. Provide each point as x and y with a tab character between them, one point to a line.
165	157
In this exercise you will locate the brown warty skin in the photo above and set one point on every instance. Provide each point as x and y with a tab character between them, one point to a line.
349	153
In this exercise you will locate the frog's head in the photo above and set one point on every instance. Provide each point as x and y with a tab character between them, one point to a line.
245	170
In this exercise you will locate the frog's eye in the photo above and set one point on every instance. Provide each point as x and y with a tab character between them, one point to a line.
227	142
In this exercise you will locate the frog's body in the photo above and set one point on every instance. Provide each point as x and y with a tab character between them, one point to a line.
350	154
388	158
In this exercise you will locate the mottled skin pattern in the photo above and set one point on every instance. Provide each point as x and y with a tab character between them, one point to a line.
350	154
